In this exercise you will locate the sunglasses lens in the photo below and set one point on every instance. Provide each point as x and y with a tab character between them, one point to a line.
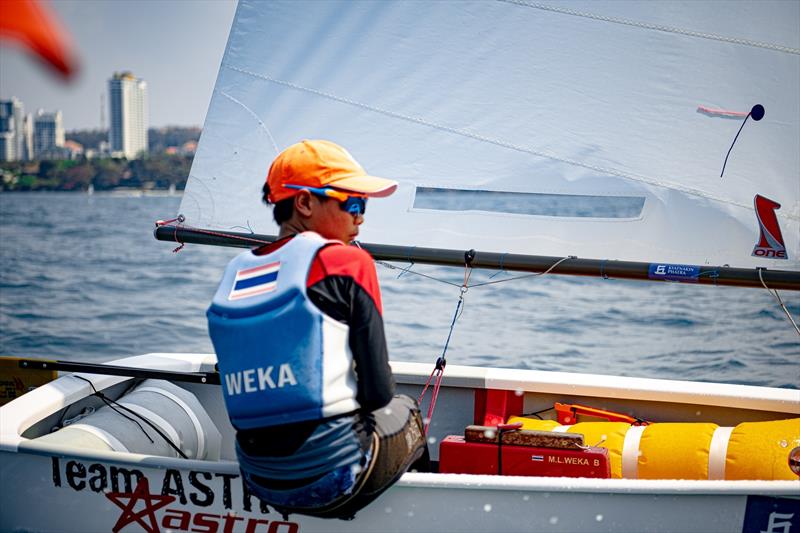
355	205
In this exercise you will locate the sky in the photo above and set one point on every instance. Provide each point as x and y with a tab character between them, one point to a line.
174	45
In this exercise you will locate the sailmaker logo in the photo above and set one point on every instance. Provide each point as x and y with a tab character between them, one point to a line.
770	243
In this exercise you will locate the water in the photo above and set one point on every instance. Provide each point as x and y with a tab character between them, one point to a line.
82	278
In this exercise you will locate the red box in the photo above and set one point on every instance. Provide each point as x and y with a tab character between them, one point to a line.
456	456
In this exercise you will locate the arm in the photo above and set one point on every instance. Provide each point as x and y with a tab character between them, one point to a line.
343	284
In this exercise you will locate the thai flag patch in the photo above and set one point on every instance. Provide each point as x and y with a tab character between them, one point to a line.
537	457
254	281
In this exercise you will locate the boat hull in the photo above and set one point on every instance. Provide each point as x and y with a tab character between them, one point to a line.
52	486
92	492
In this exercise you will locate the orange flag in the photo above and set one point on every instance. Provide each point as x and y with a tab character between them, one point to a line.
32	24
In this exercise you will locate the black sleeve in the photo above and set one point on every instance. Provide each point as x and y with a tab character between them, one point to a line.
341	298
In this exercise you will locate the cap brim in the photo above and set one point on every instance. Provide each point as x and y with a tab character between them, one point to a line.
367	185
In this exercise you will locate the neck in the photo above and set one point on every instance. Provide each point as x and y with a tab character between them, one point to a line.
291	227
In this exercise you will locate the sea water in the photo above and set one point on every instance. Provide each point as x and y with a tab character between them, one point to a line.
82	278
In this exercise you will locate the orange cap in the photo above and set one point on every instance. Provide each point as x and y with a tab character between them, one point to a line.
322	164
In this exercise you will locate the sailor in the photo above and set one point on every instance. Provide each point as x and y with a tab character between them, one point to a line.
298	332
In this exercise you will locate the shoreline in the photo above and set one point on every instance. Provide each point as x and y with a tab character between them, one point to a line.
119	192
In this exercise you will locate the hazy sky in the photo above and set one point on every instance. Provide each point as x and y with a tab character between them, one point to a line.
175	45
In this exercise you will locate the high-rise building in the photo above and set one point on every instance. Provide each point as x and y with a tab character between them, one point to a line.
127	99
12	118
48	134
27	138
8	132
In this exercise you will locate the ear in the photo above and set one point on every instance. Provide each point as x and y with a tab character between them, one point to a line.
302	204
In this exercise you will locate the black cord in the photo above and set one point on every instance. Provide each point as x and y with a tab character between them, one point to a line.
757	112
537	413
734	142
109	402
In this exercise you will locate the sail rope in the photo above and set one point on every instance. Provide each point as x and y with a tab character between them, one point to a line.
780	301
438	370
180	219
656	27
113	404
408	270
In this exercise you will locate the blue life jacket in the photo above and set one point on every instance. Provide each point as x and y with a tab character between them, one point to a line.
281	360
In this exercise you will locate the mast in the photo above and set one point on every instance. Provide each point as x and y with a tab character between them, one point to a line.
570	266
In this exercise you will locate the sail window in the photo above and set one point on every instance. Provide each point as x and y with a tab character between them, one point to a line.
519	203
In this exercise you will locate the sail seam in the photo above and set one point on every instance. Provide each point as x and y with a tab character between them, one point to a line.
498	142
656	27
258	119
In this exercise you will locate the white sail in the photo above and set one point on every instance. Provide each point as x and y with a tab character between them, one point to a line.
581	128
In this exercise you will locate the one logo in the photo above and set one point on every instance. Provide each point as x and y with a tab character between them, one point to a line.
779	523
764	514
770	243
254	281
661	270
145	517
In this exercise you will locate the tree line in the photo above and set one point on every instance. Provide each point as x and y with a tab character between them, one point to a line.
158	139
158	171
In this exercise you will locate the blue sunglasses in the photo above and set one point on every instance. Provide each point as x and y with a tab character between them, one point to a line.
355	205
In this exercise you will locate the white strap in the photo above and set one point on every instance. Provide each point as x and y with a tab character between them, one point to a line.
717	452
630	452
561	429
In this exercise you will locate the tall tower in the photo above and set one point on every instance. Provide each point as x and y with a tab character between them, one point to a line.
27	138
48	134
127	99
11	130
8	131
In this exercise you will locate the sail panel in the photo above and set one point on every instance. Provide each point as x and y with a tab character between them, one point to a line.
622	100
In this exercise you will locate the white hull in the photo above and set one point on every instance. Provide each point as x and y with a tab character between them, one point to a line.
47	487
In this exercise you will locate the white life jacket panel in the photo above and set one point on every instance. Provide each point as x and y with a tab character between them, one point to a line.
281	359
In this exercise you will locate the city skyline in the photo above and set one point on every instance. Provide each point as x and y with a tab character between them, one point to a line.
175	46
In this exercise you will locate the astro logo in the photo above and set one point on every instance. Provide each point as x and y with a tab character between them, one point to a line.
770	243
139	509
144	517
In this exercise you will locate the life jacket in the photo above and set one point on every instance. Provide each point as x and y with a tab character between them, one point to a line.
281	360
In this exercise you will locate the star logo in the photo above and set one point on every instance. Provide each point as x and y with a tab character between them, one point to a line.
145	517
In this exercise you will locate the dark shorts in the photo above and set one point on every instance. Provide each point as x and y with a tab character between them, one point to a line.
398	443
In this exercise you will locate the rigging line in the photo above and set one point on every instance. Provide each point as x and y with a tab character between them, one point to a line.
105	400
534	274
261	122
503	144
407	270
109	402
656	27
780	301
214	233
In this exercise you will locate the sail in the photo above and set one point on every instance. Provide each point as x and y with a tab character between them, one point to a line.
591	129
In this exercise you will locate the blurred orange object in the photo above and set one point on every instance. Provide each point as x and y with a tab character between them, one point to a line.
32	24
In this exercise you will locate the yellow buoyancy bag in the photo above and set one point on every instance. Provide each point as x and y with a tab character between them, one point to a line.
674	451
758	450
751	450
